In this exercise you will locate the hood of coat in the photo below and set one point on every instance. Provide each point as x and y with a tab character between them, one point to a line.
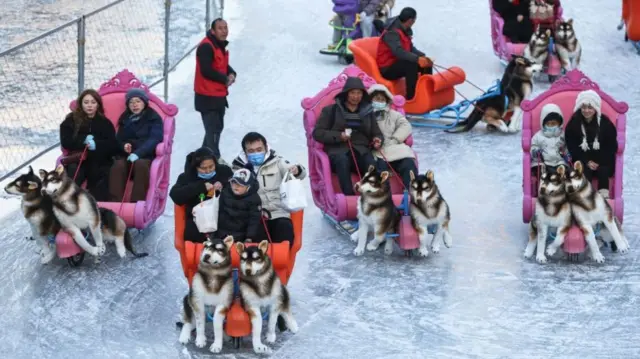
195	158
353	83
548	113
394	23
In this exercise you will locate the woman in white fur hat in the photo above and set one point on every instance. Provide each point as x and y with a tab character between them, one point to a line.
592	139
395	128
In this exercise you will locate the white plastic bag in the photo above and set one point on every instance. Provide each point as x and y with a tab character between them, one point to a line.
205	214
292	193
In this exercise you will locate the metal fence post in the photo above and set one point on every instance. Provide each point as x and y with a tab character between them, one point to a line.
81	42
207	18
165	70
221	9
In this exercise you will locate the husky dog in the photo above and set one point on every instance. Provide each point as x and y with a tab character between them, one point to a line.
427	208
552	210
590	208
515	86
376	212
537	50
211	285
114	229
567	45
38	211
260	287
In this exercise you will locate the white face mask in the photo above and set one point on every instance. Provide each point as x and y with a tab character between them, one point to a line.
379	106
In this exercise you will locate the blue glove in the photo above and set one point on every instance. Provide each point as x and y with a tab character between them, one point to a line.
88	139
132	158
92	145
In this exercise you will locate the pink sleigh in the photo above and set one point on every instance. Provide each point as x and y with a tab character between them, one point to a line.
142	213
324	184
563	93
504	48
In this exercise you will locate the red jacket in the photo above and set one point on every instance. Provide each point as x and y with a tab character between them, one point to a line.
385	56
206	87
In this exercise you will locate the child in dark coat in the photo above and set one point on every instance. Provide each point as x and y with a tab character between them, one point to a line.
202	176
240	211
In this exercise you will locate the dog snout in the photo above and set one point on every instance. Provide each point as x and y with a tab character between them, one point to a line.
206	257
356	187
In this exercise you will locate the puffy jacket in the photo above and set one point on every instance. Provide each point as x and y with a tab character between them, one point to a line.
240	216
551	146
269	177
103	133
395	129
605	132
188	188
143	135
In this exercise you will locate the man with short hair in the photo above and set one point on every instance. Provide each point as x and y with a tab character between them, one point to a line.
270	169
397	57
213	77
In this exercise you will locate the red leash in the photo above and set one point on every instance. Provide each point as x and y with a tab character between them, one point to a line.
392	170
266	230
353	155
126	186
84	152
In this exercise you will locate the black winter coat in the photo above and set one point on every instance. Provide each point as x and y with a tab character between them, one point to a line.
240	215
607	136
104	136
187	190
516	31
143	135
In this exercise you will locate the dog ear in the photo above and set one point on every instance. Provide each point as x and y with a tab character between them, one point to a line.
60	170
371	168
412	176
30	170
32	185
228	242
520	61
263	246
384	176
561	171
239	247
43	174
570	21
578	167
430	175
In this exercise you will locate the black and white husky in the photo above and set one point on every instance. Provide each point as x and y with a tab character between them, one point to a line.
261	287
212	285
589	208
567	45
77	210
427	208
376	212
552	210
37	210
537	51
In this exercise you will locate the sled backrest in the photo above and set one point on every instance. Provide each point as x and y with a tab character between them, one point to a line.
313	105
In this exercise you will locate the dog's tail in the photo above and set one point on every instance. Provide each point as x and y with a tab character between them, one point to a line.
129	246
466	125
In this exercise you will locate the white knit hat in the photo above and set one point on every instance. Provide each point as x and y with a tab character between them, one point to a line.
382	88
589	97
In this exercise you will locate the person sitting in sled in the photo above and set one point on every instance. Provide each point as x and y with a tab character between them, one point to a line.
395	128
369	11
240	208
201	177
548	146
140	130
270	168
397	57
593	139
518	27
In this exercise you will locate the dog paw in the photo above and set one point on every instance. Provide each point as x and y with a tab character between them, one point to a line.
435	249
423	252
624	248
216	347
293	326
47	255
598	258
448	241
184	337
354	236
388	250
201	341
102	249
541	259
271	338
528	255
372	246
358	251
551	251
261	349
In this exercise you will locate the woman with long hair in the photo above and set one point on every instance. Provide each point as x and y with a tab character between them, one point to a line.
87	127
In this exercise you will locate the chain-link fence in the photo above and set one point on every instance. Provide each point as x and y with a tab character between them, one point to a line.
39	78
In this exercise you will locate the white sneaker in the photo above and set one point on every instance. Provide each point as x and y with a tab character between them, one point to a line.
604	193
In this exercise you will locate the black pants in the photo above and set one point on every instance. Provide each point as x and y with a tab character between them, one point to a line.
343	166
402	167
96	176
408	70
518	32
602	174
280	230
213	122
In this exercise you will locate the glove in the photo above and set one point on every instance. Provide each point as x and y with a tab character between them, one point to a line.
363	15
424	61
132	158
88	139
92	145
537	153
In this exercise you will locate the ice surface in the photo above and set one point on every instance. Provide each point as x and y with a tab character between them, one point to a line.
479	299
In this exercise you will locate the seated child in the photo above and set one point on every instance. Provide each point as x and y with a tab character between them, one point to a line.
548	145
202	175
240	212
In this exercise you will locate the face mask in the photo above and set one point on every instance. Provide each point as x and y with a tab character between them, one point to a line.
207	176
379	106
256	159
552	130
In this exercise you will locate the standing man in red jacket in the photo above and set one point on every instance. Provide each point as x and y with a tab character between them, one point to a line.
213	77
397	57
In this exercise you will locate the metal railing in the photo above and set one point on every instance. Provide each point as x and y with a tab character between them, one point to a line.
39	77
